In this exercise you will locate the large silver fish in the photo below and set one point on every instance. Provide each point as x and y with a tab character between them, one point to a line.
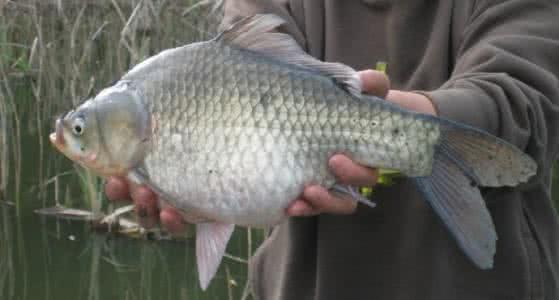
230	130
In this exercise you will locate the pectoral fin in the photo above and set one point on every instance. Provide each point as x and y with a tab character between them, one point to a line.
353	193
211	241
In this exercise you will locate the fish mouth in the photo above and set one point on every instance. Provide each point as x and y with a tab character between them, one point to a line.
57	137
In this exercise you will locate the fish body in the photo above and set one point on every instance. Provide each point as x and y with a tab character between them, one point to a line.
241	133
229	131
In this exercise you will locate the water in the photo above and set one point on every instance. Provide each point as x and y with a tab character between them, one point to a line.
48	259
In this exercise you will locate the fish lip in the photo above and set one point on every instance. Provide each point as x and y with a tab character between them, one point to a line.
57	137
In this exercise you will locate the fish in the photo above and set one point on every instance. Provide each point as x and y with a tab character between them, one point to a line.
230	130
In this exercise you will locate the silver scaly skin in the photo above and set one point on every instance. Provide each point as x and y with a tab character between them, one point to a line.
229	131
240	134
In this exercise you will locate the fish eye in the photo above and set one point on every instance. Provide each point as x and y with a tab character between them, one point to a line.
78	126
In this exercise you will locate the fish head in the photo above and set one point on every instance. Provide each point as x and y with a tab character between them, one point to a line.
108	134
76	135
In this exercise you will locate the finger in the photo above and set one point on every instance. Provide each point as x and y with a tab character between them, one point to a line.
145	205
300	208
320	199
374	82
116	189
349	172
172	221
412	101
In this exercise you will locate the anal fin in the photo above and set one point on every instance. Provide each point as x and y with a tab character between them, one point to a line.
352	192
211	241
458	202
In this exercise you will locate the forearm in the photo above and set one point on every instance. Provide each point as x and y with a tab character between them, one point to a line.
505	77
505	81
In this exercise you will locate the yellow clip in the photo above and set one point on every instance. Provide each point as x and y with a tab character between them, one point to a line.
386	177
366	192
381	66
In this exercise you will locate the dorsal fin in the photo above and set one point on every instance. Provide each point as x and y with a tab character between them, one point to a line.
257	33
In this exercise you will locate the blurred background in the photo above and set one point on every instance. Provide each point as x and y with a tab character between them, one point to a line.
53	55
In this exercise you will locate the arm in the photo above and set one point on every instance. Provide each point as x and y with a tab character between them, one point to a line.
505	75
504	80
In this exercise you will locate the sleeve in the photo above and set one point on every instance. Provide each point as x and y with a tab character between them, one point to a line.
504	79
236	9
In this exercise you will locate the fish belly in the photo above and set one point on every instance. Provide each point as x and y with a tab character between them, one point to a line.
245	176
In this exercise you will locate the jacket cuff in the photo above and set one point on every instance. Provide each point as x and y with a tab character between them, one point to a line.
466	106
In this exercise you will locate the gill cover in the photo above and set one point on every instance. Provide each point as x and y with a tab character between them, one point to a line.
124	126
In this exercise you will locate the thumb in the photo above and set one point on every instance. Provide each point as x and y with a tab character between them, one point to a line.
374	83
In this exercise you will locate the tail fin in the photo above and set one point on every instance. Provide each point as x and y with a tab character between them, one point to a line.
465	159
493	162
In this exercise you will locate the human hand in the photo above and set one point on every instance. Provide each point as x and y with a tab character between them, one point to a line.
145	205
316	199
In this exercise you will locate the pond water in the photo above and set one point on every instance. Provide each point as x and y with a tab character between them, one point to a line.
45	259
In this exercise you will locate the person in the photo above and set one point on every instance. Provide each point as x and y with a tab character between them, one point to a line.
491	64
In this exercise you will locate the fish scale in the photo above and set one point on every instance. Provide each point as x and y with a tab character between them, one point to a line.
271	104
229	131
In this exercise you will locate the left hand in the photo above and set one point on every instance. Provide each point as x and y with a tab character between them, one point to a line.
316	199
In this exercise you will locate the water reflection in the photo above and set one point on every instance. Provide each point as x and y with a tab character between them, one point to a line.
52	259
7	285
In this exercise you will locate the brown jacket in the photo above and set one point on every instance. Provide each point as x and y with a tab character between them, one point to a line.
491	64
